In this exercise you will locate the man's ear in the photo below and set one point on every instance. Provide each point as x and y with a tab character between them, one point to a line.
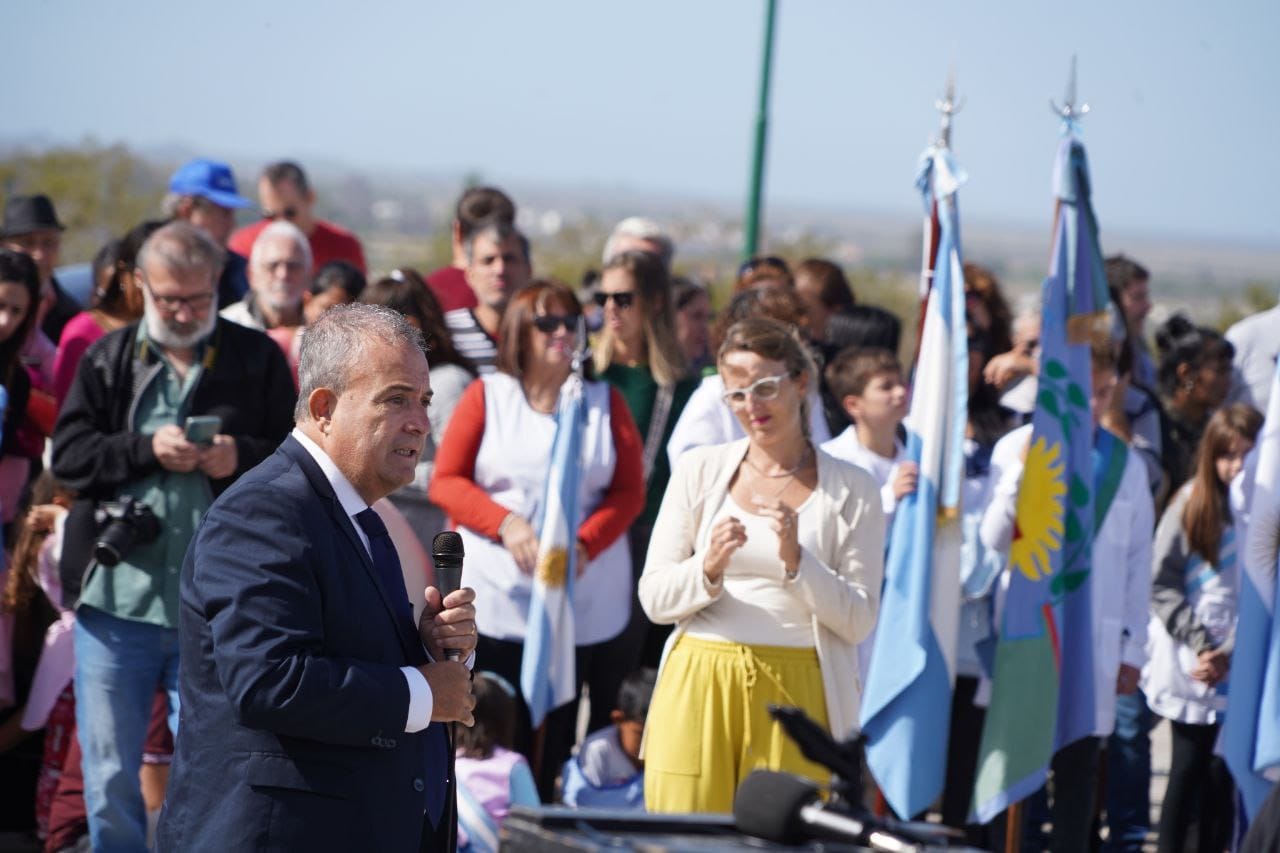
321	405
616	716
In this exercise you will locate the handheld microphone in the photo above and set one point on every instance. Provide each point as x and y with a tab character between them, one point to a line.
447	554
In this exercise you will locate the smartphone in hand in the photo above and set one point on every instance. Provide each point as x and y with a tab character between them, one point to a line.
200	429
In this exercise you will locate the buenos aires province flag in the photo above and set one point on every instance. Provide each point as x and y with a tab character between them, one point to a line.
1042	695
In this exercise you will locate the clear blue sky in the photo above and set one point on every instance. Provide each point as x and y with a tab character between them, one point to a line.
661	95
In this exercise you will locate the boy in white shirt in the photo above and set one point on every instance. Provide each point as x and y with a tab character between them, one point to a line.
868	383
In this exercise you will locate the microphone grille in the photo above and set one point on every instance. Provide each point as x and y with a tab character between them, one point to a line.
447	543
768	802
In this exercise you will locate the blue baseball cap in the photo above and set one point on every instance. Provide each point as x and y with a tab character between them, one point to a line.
211	179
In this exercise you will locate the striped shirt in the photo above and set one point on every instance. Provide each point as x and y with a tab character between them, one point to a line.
471	340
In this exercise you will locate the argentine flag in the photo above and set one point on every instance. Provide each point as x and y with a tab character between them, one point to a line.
1251	731
547	676
906	706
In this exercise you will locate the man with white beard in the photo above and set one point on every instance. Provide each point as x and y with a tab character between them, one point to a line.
165	413
279	272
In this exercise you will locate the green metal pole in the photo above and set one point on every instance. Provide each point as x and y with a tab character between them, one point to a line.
752	236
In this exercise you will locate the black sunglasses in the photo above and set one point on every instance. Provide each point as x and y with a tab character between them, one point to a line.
289	213
623	299
548	323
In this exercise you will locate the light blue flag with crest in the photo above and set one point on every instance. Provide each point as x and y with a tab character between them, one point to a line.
906	706
547	671
1251	731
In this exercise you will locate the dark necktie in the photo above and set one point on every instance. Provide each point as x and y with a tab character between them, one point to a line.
386	563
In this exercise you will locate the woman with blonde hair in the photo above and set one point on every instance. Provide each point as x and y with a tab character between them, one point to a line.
767	555
639	354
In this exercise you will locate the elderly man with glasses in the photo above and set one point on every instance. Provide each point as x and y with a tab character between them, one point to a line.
279	275
163	415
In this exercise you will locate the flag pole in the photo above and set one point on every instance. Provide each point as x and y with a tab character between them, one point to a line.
1013	828
751	235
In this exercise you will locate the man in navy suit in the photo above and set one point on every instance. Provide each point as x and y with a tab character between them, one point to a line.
312	706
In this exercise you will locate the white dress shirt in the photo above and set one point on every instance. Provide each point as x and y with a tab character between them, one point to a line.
421	702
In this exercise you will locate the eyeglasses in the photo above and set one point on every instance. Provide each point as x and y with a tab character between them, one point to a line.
289	213
766	388
197	304
623	299
752	264
548	323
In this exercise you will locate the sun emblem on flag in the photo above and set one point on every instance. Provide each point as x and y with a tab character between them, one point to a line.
553	567
1039	524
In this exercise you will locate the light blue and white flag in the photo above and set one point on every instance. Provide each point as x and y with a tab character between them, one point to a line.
906	706
547	671
1251	731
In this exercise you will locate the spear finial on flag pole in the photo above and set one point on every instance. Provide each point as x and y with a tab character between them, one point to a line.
948	106
1069	110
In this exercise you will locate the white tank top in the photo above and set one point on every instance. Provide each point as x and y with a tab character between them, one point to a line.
511	466
756	606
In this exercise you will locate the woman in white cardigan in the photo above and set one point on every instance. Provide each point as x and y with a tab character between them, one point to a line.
767	555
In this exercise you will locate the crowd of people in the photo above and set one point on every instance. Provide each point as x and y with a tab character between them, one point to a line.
739	473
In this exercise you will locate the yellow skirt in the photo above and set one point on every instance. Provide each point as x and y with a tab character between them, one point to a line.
708	724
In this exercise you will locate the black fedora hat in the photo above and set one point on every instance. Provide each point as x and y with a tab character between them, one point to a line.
26	213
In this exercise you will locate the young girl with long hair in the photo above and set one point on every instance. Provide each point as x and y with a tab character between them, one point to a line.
1193	623
19	300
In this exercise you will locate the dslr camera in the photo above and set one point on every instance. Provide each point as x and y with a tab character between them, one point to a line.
124	524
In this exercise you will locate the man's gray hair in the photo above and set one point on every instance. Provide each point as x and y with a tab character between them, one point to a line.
180	248
640	228
339	339
281	228
172	201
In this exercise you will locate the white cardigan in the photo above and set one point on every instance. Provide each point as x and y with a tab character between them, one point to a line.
840	584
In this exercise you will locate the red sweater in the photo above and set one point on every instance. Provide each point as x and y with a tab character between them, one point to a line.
453	486
449	284
328	243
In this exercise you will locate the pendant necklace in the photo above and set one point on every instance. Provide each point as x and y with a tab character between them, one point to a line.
786	476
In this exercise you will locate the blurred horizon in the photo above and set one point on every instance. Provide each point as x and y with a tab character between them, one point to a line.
577	94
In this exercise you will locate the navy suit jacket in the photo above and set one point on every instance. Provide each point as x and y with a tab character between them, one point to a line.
293	706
